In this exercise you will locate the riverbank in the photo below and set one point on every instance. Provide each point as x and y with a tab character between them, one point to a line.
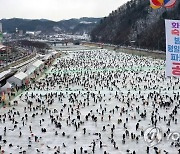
129	50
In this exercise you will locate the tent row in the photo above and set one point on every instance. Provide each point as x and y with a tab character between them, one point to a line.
23	77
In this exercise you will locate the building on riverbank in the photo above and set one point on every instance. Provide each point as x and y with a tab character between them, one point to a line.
19	79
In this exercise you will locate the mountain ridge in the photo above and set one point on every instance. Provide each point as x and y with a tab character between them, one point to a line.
49	26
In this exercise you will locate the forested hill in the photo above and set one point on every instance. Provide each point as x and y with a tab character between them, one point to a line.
74	26
135	24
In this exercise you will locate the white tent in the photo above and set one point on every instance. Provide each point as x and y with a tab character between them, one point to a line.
30	70
7	87
54	53
18	79
46	57
38	64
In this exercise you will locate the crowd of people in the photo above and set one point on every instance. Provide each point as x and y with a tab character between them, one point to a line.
94	101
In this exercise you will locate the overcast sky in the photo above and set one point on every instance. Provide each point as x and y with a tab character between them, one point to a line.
57	9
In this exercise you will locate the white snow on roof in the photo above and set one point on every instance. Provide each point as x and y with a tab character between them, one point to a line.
37	63
54	52
30	70
47	57
20	75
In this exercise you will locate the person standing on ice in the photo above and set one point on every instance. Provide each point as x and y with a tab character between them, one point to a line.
81	150
20	134
84	131
4	131
109	117
100	144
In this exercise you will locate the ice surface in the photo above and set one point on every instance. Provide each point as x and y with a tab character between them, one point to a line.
116	80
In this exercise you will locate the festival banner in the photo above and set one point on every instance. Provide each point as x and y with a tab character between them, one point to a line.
172	47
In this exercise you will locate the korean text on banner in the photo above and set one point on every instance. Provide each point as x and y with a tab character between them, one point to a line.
172	47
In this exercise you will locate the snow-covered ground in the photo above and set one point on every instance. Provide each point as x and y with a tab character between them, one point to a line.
86	91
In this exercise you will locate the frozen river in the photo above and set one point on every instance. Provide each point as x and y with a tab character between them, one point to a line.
96	101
